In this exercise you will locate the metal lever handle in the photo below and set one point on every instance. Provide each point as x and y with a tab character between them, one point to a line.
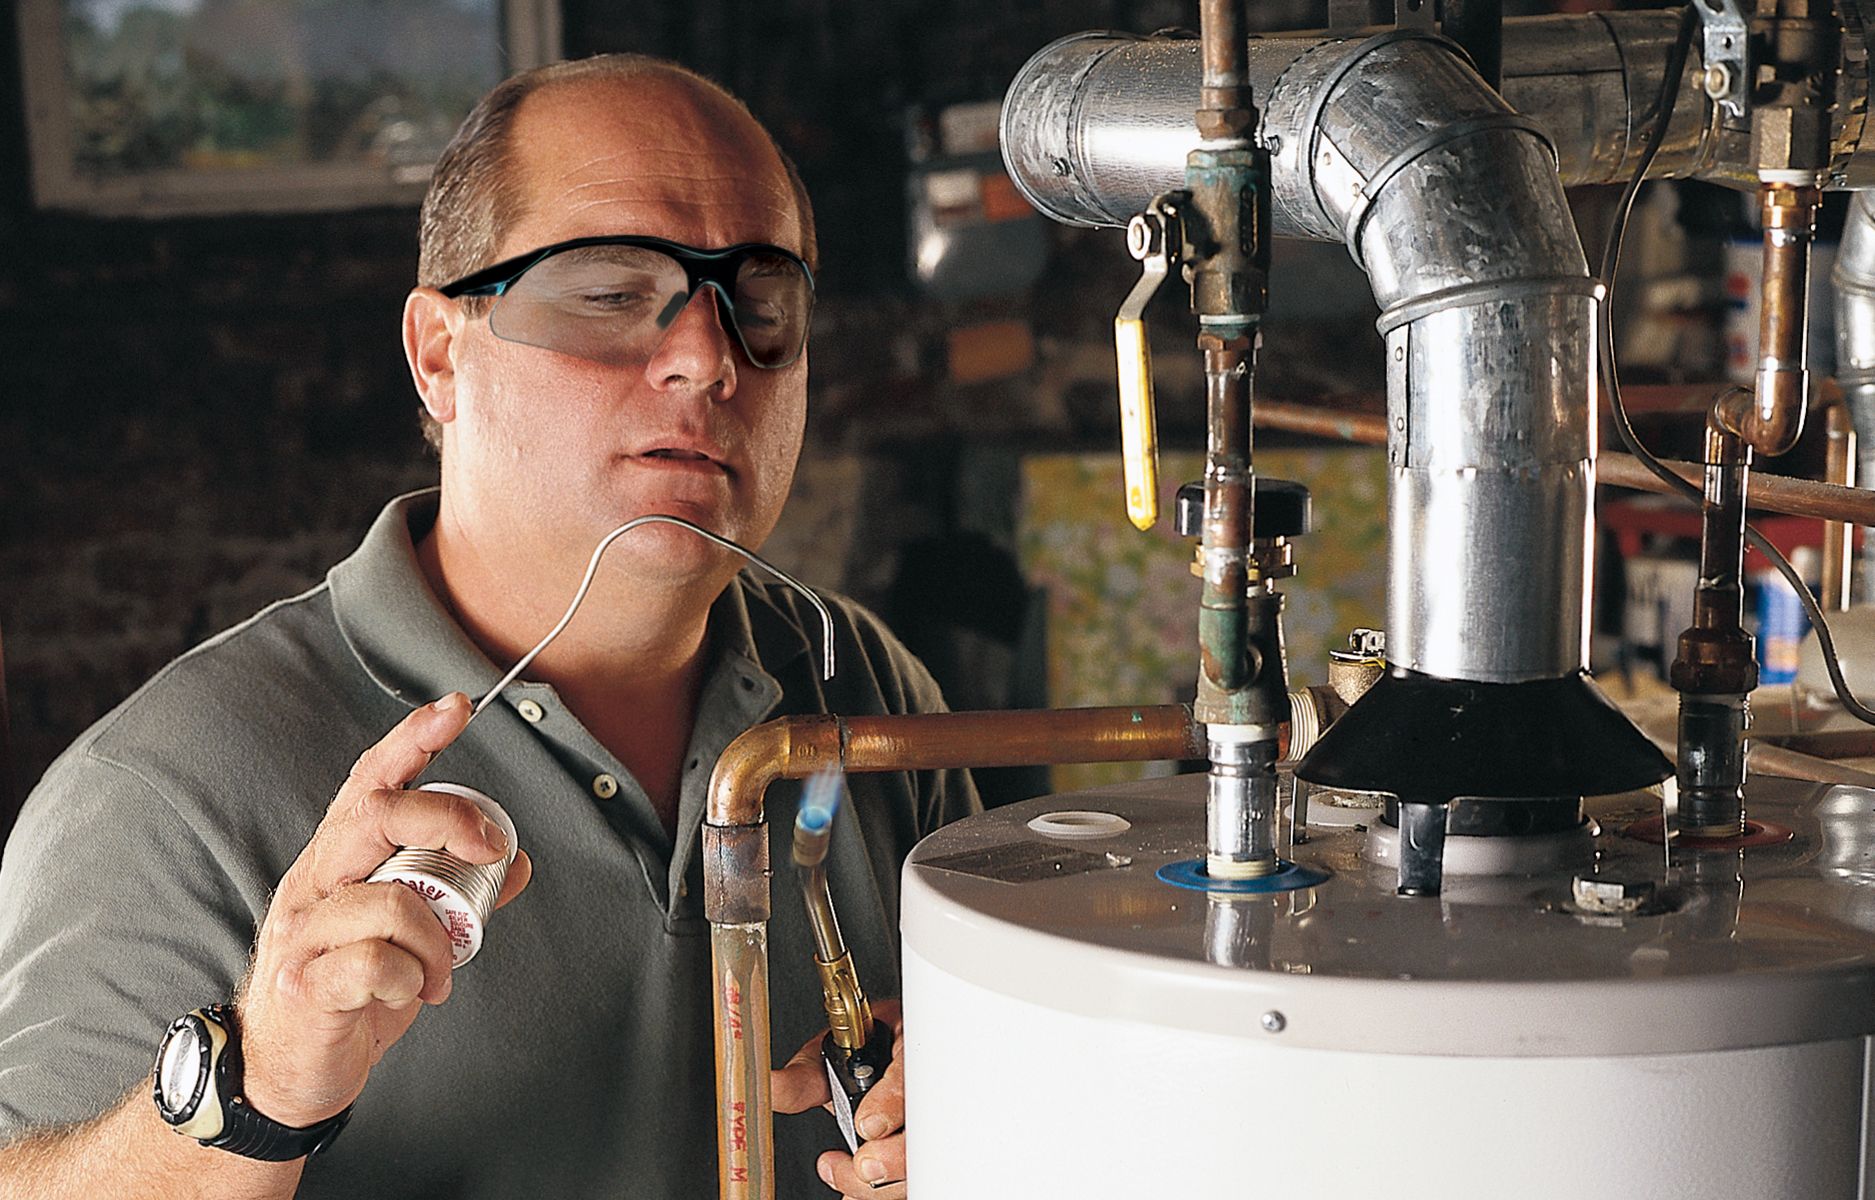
1153	238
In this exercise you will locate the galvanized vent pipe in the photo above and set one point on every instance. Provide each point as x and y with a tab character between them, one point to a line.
1097	124
1854	277
1451	202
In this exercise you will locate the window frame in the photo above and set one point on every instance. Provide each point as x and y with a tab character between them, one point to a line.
531	36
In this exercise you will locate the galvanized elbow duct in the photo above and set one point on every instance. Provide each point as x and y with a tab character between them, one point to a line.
1452	203
1854	277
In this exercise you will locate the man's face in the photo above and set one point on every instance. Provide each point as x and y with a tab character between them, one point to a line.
557	450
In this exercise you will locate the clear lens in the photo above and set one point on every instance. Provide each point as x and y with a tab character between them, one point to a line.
180	1068
605	303
772	302
612	304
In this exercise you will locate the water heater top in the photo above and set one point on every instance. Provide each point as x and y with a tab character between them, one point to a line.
1769	946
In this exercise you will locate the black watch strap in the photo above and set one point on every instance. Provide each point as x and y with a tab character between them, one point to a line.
248	1133
252	1134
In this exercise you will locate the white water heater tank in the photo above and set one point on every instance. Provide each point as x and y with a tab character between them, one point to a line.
1631	1026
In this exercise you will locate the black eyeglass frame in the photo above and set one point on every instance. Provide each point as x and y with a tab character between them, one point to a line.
716	268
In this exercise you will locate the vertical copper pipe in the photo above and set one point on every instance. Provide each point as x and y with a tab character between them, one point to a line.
1224	552
1771	420
1719	602
1715	669
1224	48
1838	536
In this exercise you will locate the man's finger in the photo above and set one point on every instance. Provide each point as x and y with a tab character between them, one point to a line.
358	975
362	833
882	1110
839	1171
403	752
892	1012
802	1084
520	873
381	912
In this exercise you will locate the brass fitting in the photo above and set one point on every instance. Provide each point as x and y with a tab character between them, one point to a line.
1715	662
1219	124
849	1013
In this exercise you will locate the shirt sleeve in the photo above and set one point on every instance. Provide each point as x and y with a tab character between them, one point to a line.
114	920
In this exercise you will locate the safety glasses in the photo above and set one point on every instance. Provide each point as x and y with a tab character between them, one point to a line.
610	299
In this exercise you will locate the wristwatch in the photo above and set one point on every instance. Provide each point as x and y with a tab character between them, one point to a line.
198	1091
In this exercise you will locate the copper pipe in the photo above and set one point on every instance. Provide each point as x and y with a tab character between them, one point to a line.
735	852
1838	536
1222	30
1769	493
1224	106
1368	428
796	747
1224	652
1719	600
1771	419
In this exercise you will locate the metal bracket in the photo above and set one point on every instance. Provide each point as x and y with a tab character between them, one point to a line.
1727	54
1415	14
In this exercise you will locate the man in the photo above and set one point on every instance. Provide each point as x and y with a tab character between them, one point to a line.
578	389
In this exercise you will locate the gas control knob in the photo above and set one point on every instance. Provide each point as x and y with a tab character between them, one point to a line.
1281	509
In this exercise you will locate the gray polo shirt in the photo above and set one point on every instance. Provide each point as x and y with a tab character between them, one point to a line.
573	1057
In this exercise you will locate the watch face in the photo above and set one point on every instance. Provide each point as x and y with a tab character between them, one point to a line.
180	1076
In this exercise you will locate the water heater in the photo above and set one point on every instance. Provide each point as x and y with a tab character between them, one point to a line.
1581	1013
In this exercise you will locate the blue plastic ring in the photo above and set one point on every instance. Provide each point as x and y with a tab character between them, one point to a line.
1287	877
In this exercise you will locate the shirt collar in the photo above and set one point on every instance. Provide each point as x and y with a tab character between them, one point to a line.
400	632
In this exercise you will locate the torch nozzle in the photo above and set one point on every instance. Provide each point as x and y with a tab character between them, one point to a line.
813	823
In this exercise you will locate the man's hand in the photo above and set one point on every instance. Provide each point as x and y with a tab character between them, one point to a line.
341	965
877	1172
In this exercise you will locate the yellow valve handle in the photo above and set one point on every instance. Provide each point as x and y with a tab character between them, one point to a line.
1149	242
1139	430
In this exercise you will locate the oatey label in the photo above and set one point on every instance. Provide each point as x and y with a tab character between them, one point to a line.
459	922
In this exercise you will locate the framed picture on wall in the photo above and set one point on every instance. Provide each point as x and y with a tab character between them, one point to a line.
167	107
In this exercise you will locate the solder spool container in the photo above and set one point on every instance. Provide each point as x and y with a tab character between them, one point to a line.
461	894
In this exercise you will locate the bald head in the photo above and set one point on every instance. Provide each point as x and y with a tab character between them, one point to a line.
476	194
486	178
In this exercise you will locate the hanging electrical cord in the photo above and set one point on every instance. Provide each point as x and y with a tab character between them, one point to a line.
1611	261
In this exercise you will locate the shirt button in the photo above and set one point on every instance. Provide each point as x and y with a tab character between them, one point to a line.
530	712
604	786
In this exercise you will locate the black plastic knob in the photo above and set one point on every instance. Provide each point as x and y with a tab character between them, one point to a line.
1281	509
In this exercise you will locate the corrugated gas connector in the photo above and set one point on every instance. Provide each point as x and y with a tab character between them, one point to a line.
857	1049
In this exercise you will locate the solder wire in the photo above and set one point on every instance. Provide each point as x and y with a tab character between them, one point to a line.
592	570
1611	261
